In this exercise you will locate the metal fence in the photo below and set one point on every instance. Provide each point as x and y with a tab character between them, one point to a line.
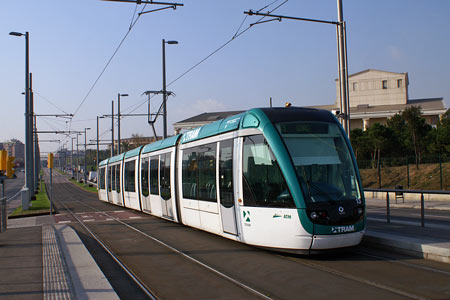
401	192
433	173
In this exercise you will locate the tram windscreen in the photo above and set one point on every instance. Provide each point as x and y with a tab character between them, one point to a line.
322	160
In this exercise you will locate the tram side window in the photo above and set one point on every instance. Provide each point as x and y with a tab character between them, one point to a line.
207	172
226	173
118	178
264	184
190	174
113	178
130	168
109	179
101	179
199	173
164	172
144	177
154	180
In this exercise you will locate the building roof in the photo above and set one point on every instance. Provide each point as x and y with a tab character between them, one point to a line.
428	105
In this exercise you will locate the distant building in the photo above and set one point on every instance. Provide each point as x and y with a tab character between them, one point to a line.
375	96
133	142
15	148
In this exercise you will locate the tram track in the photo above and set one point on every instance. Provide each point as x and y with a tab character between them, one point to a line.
149	293
331	266
356	278
147	290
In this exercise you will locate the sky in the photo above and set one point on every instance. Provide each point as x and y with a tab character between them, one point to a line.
71	42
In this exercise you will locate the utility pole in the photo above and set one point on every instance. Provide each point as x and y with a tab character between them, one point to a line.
118	120
342	56
78	155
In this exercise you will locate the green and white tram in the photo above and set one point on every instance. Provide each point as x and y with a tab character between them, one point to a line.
278	178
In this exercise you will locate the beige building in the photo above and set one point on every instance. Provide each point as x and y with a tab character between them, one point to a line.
377	95
374	96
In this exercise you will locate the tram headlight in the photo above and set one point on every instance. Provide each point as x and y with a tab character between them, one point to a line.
359	211
314	215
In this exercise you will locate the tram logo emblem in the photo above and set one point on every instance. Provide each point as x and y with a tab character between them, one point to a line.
341	210
246	215
343	229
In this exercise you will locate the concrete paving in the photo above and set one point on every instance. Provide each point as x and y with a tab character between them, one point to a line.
51	262
432	242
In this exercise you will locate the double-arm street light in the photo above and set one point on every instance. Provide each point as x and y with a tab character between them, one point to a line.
85	151
118	120
164	83
28	134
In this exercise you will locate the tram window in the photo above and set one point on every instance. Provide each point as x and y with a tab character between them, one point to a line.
130	168
226	173
113	178
154	180
101	178
207	172
264	184
109	179
144	177
199	173
190	174
118	178
164	172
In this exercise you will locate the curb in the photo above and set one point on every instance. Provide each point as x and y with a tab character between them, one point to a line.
88	280
438	251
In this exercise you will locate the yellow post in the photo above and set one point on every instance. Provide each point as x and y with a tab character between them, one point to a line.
50	160
9	166
3	157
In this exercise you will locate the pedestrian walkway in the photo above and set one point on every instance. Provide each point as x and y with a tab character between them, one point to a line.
432	242
39	258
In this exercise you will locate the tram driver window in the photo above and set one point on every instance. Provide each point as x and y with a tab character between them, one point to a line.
264	184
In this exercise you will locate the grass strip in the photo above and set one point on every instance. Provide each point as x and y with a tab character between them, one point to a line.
83	186
39	206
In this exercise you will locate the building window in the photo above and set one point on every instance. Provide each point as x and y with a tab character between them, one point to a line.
399	83
355	86
384	82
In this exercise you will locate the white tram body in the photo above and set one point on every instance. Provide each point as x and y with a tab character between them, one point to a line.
201	179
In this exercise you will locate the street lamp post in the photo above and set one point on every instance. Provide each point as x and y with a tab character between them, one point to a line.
164	84
98	150
78	158
28	145
71	157
118	120
112	128
85	150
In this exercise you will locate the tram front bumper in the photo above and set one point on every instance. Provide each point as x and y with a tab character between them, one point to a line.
322	242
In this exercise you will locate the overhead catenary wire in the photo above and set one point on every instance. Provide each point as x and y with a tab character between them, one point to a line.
108	62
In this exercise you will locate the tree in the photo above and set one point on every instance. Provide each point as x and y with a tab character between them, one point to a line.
442	134
417	129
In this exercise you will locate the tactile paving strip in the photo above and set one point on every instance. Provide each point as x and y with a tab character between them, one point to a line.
56	278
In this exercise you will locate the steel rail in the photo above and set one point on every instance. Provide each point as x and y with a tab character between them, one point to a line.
355	278
129	272
246	287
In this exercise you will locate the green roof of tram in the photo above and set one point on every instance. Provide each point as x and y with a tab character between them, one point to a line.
132	153
218	127
116	158
103	162
161	144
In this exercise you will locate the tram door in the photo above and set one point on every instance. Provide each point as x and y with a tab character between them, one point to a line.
165	185
110	178
226	183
